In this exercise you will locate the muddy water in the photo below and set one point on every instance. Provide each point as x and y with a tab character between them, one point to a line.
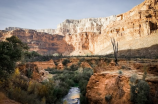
73	96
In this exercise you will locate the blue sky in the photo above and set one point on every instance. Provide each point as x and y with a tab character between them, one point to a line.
42	14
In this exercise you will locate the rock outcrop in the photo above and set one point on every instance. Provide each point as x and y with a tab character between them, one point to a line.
5	100
102	85
45	64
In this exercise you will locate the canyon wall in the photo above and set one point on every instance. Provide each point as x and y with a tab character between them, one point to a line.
49	31
40	42
84	25
135	29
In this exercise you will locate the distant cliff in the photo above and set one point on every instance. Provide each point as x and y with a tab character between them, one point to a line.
43	43
49	31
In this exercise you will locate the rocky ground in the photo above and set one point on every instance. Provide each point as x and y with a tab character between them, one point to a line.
5	100
115	81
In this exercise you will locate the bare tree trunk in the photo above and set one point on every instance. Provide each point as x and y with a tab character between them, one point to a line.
115	49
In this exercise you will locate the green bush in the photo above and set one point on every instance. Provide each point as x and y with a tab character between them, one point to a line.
107	60
65	62
123	67
22	96
143	90
139	91
82	60
120	72
108	98
29	73
73	67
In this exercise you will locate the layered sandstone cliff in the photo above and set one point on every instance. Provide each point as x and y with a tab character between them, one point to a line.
84	25
134	29
41	42
49	31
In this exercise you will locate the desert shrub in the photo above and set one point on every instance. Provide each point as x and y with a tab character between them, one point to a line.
82	59
16	93
123	67
54	71
73	67
143	90
29	73
139	91
145	73
31	56
120	72
108	98
30	92
17	90
65	62
133	79
79	63
156	57
97	62
107	60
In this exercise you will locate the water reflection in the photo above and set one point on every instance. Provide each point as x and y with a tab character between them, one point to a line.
73	96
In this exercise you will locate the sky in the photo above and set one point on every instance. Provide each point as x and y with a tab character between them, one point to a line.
47	14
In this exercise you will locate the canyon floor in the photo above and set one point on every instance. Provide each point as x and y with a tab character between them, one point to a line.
96	77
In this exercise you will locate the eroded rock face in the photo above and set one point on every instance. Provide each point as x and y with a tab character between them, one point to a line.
134	29
40	42
83	43
84	25
49	31
101	85
45	64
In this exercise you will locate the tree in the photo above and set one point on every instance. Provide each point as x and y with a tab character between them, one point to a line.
115	48
10	52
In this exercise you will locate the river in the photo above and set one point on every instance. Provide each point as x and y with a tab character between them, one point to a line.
73	96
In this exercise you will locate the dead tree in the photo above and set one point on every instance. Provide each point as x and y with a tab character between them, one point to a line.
115	48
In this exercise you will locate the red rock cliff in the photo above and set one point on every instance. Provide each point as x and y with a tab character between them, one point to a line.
135	29
41	42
